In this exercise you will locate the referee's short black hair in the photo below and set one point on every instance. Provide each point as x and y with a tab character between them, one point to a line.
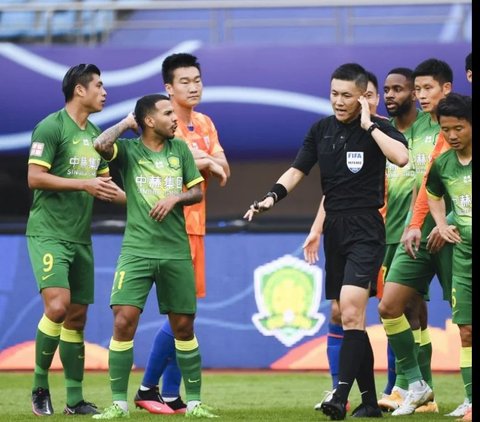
352	72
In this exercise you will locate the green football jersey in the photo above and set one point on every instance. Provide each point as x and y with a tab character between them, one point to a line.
148	177
426	134
448	176
400	183
67	151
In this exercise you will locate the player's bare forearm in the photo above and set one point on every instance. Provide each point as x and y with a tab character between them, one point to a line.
40	178
164	206
191	196
104	142
209	162
221	160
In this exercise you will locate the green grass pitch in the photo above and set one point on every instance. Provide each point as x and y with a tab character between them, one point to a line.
262	396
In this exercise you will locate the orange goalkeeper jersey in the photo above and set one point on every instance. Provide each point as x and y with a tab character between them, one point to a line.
202	135
420	209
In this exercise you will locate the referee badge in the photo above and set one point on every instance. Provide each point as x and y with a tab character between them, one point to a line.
354	161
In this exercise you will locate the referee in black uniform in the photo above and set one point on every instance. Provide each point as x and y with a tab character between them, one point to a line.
350	148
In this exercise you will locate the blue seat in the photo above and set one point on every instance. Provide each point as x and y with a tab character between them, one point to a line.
61	22
96	22
17	24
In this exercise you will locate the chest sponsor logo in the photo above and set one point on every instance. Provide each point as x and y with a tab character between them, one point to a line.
354	161
288	293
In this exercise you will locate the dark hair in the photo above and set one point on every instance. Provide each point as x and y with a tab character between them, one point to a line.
146	105
468	62
405	71
437	69
352	72
80	74
373	79
455	105
174	61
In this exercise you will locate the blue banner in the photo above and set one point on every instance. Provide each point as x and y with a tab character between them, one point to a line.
264	308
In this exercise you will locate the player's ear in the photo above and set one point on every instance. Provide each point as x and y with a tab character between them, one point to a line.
79	90
447	88
149	121
169	89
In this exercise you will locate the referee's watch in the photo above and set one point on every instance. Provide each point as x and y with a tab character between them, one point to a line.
372	128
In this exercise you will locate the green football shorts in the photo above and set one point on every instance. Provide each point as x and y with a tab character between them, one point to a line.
58	263
418	273
462	284
174	281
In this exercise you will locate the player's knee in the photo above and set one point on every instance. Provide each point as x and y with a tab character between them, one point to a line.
383	310
335	314
466	335
56	311
76	318
352	318
183	328
125	325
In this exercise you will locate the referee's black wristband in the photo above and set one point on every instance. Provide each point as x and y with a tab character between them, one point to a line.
372	127
277	192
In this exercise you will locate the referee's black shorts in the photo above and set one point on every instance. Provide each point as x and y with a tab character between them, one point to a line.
354	249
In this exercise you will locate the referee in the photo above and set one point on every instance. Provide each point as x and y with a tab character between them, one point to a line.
350	147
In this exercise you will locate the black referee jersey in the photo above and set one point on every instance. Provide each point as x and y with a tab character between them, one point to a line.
352	165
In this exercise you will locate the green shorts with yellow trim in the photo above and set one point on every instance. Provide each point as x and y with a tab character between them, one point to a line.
173	278
418	273
462	284
58	263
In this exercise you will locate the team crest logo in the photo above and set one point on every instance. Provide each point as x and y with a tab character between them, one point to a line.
173	162
288	293
354	161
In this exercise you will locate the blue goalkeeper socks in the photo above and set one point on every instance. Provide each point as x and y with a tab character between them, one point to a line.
391	373
161	356
334	343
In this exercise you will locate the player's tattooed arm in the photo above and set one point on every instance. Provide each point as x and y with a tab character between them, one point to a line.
104	142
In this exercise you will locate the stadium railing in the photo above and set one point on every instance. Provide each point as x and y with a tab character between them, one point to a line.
224	21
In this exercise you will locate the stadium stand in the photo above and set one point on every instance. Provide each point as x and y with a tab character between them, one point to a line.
15	24
54	21
153	23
